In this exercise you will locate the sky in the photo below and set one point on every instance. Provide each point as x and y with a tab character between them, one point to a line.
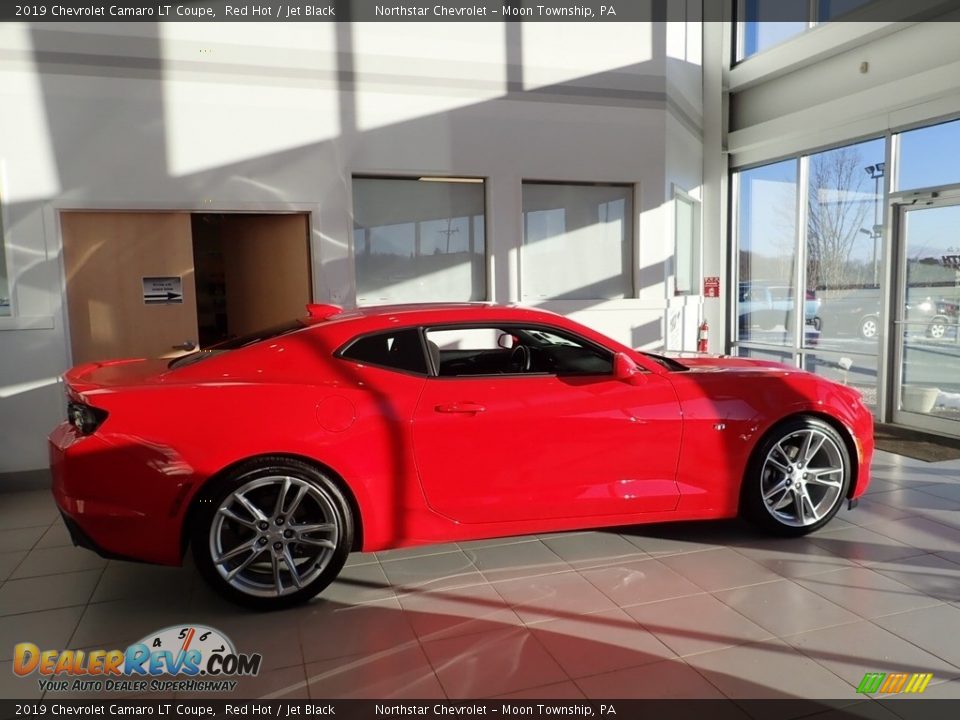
929	157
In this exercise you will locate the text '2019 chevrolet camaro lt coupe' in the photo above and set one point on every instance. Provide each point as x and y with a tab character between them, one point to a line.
273	456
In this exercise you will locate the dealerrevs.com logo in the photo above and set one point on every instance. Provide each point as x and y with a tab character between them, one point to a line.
198	658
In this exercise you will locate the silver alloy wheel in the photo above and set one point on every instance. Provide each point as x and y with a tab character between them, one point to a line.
274	535
937	330
868	328
802	477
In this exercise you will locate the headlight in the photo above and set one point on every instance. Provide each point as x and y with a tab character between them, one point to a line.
84	418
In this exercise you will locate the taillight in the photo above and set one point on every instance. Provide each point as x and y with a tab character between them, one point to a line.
84	418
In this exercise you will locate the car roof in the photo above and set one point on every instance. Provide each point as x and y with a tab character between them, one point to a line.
344	326
413	313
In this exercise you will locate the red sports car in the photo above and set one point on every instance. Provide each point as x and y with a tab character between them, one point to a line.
275	455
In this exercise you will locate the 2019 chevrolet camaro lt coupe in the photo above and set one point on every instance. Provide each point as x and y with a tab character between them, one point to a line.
274	455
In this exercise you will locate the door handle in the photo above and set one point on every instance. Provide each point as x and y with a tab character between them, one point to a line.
187	345
461	407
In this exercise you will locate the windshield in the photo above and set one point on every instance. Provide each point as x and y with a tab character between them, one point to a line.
668	363
236	343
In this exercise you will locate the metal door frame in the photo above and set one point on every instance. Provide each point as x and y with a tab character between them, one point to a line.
892	342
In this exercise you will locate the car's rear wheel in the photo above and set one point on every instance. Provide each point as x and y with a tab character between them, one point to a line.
797	477
937	328
272	534
869	327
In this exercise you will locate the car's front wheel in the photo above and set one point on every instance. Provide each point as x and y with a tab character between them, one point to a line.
797	478
272	534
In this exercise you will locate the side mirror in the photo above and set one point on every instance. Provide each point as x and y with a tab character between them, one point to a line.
626	369
506	341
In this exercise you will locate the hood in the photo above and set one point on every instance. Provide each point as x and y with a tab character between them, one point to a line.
698	361
729	365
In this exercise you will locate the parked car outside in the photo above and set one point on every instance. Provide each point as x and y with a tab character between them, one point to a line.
858	314
770	305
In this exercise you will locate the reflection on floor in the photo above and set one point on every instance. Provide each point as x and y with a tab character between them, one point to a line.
687	610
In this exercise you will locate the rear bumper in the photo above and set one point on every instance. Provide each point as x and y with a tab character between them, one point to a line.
81	539
112	501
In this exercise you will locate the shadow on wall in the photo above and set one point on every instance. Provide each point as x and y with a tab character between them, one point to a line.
82	136
77	135
646	334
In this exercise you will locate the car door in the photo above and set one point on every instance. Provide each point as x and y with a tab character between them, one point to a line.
512	443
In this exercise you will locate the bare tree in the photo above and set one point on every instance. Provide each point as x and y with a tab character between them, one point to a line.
838	208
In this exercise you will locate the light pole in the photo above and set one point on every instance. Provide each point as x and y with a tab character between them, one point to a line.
875	171
875	234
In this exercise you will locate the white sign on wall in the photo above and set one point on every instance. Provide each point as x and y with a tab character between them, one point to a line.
166	290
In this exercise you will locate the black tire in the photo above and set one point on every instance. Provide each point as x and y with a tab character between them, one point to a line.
763	476
259	478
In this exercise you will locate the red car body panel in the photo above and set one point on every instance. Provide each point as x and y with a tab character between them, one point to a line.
547	453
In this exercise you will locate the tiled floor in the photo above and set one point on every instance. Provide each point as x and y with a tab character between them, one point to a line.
687	610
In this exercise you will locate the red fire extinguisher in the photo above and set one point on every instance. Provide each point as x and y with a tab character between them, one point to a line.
703	337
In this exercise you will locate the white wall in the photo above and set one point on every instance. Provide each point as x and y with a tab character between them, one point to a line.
272	117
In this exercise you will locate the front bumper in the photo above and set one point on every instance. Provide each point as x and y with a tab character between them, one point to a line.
863	439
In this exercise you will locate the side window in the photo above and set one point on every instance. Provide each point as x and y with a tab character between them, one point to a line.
398	350
566	355
514	350
473	351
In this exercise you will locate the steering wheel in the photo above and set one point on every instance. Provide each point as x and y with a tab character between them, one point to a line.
520	359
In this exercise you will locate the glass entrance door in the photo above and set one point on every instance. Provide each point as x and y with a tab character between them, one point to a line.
925	311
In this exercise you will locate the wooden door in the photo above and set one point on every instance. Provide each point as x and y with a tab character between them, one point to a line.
107	255
266	260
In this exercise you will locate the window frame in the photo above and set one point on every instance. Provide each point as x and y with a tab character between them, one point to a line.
431	178
696	248
797	346
734	340
814	18
495	325
631	239
740	23
340	352
5	257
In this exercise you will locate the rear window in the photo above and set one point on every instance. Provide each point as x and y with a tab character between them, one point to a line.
236	343
397	350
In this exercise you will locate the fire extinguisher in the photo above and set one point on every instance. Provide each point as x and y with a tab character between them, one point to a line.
703	337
